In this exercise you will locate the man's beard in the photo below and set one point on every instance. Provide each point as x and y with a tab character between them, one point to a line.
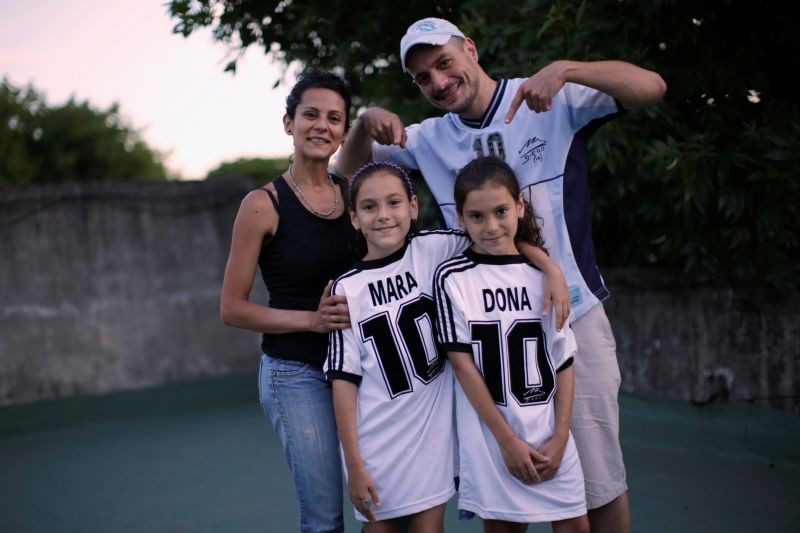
468	101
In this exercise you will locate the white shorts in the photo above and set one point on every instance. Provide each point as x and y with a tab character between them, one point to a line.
595	411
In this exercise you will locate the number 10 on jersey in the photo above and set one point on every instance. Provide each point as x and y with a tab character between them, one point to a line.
526	372
412	332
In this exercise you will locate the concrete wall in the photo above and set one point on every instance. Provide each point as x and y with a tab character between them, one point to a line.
704	343
116	286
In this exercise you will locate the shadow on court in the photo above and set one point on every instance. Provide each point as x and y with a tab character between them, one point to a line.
201	458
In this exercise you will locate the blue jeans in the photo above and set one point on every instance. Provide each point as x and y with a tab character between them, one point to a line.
298	402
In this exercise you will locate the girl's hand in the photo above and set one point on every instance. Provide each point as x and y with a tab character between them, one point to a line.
519	458
332	312
553	451
363	493
556	293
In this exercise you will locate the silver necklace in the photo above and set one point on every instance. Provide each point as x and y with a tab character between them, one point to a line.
305	200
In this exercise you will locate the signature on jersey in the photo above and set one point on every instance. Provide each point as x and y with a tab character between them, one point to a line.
532	150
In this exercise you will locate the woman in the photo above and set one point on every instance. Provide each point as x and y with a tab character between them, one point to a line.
296	229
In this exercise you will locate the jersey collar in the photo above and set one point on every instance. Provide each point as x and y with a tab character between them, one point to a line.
383	261
491	110
496	259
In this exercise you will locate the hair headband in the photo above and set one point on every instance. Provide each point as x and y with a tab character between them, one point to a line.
379	165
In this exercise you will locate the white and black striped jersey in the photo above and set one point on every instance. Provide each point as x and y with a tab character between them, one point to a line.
405	393
489	306
548	153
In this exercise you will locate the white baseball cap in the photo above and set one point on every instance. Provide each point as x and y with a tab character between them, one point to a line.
427	31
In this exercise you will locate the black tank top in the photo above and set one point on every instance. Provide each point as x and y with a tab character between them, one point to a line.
296	264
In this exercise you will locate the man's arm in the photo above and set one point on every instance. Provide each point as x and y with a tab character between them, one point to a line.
375	124
633	86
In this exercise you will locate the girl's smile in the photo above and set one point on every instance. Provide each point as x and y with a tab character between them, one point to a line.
383	213
491	216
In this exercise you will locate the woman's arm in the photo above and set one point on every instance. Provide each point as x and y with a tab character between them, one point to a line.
256	221
517	454
360	485
555	285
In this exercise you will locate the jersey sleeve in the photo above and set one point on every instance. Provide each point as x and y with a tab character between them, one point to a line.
344	351
454	243
452	330
394	153
563	346
402	156
441	245
584	104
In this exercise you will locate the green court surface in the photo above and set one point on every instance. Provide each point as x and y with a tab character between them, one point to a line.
200	457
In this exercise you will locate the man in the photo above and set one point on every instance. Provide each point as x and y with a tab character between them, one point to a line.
545	143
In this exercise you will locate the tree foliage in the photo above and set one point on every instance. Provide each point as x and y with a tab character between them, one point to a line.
71	142
260	169
705	182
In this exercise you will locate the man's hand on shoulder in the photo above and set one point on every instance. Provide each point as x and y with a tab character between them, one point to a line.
384	126
538	90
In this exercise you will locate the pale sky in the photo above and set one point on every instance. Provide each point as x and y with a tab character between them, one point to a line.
173	90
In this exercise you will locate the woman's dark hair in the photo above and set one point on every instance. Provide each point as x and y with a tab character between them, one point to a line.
360	176
319	79
491	169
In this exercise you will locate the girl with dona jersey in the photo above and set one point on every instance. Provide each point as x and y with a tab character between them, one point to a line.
517	461
392	388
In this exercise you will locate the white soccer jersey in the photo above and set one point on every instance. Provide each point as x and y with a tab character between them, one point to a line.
405	394
548	154
489	306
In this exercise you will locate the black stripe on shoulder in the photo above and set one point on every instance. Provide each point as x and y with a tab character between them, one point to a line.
347	274
566	365
457	347
335	343
347	376
423	233
458	263
444	306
